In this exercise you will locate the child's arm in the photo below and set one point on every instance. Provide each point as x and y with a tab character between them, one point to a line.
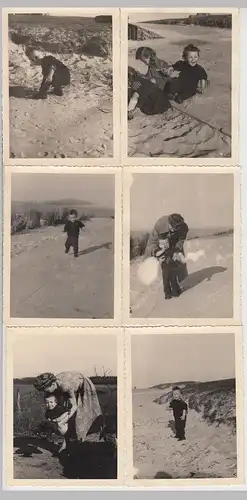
133	103
65	229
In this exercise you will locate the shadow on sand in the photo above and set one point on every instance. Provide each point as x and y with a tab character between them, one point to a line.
21	92
197	277
94	248
90	460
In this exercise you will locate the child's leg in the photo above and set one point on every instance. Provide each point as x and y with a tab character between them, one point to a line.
166	282
174	283
67	245
75	246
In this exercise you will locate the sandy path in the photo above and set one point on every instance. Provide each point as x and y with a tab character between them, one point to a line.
208	288
47	283
208	451
173	134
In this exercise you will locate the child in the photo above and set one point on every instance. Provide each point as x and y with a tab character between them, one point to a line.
145	94
171	254
54	412
55	73
192	77
72	228
159	71
180	411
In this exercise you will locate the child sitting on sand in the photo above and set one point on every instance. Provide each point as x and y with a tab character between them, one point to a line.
145	94
55	73
180	411
192	77
53	412
159	71
72	228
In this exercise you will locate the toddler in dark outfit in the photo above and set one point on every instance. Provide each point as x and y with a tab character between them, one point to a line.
53	412
192	77
180	411
55	73
72	228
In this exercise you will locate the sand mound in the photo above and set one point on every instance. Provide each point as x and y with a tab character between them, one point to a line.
175	134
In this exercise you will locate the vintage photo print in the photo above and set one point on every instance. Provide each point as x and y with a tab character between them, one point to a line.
62	241
182	82
187	407
59	87
62	406
182	248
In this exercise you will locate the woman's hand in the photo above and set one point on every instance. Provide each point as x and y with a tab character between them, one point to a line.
63	419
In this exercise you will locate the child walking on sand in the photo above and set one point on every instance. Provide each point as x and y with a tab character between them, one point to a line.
180	411
192	77
72	228
55	74
159	71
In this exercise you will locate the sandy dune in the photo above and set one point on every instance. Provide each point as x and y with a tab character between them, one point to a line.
79	124
208	290
176	135
47	283
209	451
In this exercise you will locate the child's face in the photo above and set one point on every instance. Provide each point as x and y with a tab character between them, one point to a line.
145	60
50	402
192	58
72	217
176	394
35	58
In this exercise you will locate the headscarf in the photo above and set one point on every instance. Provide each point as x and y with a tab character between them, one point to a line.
43	381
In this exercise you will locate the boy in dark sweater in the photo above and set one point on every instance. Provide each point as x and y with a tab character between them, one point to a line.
180	411
145	94
192	77
72	228
55	73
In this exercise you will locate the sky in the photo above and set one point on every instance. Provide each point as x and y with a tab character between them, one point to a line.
204	200
96	188
158	359
138	18
37	353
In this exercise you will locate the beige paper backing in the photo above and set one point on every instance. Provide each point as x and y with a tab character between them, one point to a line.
239	405
115	159
11	334
122	167
234	93
235	320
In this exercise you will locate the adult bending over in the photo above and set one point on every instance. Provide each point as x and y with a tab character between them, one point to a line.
78	392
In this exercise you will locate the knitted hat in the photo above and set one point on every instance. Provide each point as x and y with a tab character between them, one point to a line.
43	381
175	220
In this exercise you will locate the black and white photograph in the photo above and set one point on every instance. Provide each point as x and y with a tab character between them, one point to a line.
182	232
64	406
180	84
60	84
62	245
184	413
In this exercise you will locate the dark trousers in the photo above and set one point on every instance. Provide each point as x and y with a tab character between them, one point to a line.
170	279
72	242
180	428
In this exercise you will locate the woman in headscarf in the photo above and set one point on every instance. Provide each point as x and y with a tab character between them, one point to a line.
166	242
78	392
